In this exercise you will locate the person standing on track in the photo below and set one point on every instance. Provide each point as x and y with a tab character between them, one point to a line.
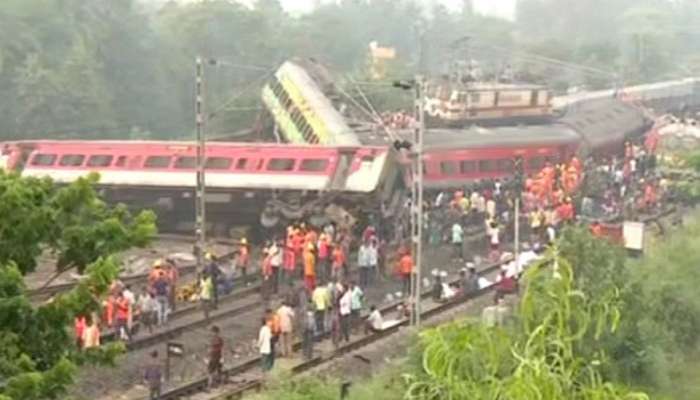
265	346
338	262
363	263
205	293
406	270
324	265
212	269
173	275
286	318
160	288
153	376
321	301
357	301
122	312
309	324
243	259
275	254
345	309
215	363
309	267
457	240
373	259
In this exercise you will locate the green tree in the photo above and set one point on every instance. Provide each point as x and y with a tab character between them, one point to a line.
540	357
38	356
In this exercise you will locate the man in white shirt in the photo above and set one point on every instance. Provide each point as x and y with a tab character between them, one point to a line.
275	254
345	314
375	322
265	346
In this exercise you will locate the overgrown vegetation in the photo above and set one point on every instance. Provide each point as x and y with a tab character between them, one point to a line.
38	356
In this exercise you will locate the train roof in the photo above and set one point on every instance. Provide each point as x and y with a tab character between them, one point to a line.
479	137
604	120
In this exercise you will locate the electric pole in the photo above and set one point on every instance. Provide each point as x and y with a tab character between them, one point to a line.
200	199
417	199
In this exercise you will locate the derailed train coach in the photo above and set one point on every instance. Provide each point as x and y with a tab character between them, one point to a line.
249	184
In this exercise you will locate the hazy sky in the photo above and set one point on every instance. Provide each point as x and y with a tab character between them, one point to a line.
501	8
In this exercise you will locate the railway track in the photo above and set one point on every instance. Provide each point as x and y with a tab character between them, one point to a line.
181	323
48	291
236	388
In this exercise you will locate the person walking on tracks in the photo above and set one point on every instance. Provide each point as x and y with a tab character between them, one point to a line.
265	346
153	376
309	326
215	364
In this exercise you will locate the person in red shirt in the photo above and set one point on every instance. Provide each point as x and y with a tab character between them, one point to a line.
405	271
505	285
173	275
597	229
80	326
122	306
298	246
649	196
338	262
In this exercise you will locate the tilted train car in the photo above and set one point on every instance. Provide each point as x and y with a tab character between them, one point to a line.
246	183
605	124
302	111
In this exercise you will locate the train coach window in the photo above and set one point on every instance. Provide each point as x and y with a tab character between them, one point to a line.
100	160
157	162
71	160
185	163
313	165
218	163
121	161
280	164
505	165
242	163
44	159
487	165
467	166
535	163
448	168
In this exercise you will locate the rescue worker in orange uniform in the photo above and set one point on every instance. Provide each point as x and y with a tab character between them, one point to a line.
309	267
405	271
338	262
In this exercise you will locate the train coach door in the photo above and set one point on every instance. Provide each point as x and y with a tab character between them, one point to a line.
342	170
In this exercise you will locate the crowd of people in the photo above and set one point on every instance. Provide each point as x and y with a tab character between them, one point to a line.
313	279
